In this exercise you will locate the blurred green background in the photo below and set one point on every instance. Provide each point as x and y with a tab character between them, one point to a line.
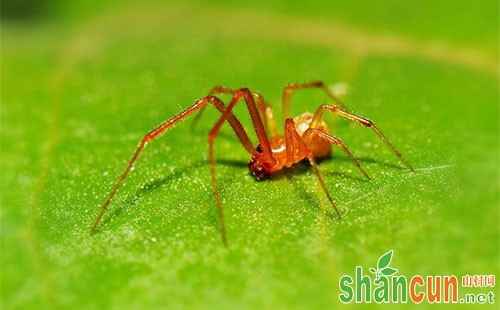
82	82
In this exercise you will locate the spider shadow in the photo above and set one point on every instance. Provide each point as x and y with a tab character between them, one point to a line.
298	169
133	199
361	160
302	167
311	198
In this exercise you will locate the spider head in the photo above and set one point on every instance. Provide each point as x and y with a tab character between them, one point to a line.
259	167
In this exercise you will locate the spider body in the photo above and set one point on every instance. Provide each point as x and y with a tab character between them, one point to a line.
262	167
305	137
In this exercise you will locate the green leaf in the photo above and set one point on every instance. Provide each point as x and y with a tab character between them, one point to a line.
372	270
388	271
83	81
384	260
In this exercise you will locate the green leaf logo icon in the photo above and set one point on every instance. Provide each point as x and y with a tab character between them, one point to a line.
383	269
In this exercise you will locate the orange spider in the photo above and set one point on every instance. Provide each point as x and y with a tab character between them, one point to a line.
306	137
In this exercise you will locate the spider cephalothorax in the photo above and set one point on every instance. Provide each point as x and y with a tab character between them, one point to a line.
260	167
305	137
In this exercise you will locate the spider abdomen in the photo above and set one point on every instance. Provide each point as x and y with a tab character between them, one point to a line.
320	147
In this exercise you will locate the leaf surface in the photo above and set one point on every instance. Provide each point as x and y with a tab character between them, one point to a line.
82	85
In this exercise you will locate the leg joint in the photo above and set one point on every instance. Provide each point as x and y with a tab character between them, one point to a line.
329	107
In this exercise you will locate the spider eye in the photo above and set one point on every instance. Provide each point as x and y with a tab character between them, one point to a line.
259	149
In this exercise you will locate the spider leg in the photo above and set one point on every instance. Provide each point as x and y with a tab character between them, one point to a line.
258	125
296	148
287	94
265	110
215	91
335	141
360	120
200	103
266	114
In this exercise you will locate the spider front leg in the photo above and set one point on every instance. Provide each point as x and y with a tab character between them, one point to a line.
360	120
265	110
235	124
297	149
287	94
255	115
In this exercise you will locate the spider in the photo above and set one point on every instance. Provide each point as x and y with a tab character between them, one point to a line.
305	137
